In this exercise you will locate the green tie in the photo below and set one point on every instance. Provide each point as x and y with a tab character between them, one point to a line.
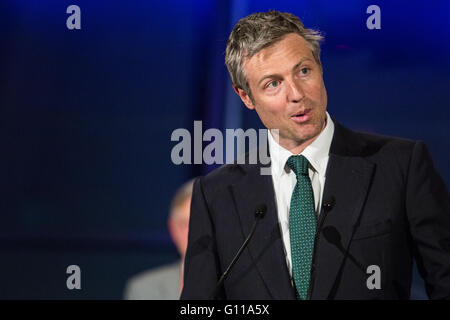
302	225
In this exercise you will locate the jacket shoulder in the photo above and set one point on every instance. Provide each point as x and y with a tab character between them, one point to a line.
225	175
370	144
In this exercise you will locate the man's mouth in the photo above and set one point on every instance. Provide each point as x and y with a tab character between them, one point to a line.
302	116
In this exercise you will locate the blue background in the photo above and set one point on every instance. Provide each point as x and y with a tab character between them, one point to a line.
86	118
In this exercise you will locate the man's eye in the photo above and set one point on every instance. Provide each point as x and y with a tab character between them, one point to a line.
304	71
273	84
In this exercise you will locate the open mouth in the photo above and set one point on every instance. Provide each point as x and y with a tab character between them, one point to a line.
302	116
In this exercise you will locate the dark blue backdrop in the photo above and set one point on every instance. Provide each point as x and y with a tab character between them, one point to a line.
86	118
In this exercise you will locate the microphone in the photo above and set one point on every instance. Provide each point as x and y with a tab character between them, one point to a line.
260	212
328	203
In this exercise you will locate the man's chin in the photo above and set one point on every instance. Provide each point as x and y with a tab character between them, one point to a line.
309	132
300	135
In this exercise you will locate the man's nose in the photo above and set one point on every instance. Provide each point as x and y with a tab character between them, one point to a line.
295	91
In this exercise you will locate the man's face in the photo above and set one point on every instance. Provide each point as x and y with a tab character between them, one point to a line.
288	91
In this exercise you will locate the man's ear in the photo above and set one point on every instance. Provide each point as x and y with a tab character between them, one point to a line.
244	97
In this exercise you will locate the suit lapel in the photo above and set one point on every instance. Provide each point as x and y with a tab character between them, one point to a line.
348	180
266	246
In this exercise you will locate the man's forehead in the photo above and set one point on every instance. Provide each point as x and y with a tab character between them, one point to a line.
290	49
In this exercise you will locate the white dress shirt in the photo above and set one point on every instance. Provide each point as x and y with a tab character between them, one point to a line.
284	179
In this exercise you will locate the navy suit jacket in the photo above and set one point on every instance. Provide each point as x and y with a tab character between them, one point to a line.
390	205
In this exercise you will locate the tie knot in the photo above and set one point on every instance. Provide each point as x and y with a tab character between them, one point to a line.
299	164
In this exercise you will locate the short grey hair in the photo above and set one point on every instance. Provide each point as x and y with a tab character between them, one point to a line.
258	31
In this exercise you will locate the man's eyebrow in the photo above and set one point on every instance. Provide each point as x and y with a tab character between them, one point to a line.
278	76
300	62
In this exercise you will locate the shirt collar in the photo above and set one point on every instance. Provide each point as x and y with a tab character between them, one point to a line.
317	152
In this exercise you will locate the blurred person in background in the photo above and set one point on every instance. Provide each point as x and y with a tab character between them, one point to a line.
166	282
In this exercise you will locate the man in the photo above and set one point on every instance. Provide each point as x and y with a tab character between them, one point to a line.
346	211
166	282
